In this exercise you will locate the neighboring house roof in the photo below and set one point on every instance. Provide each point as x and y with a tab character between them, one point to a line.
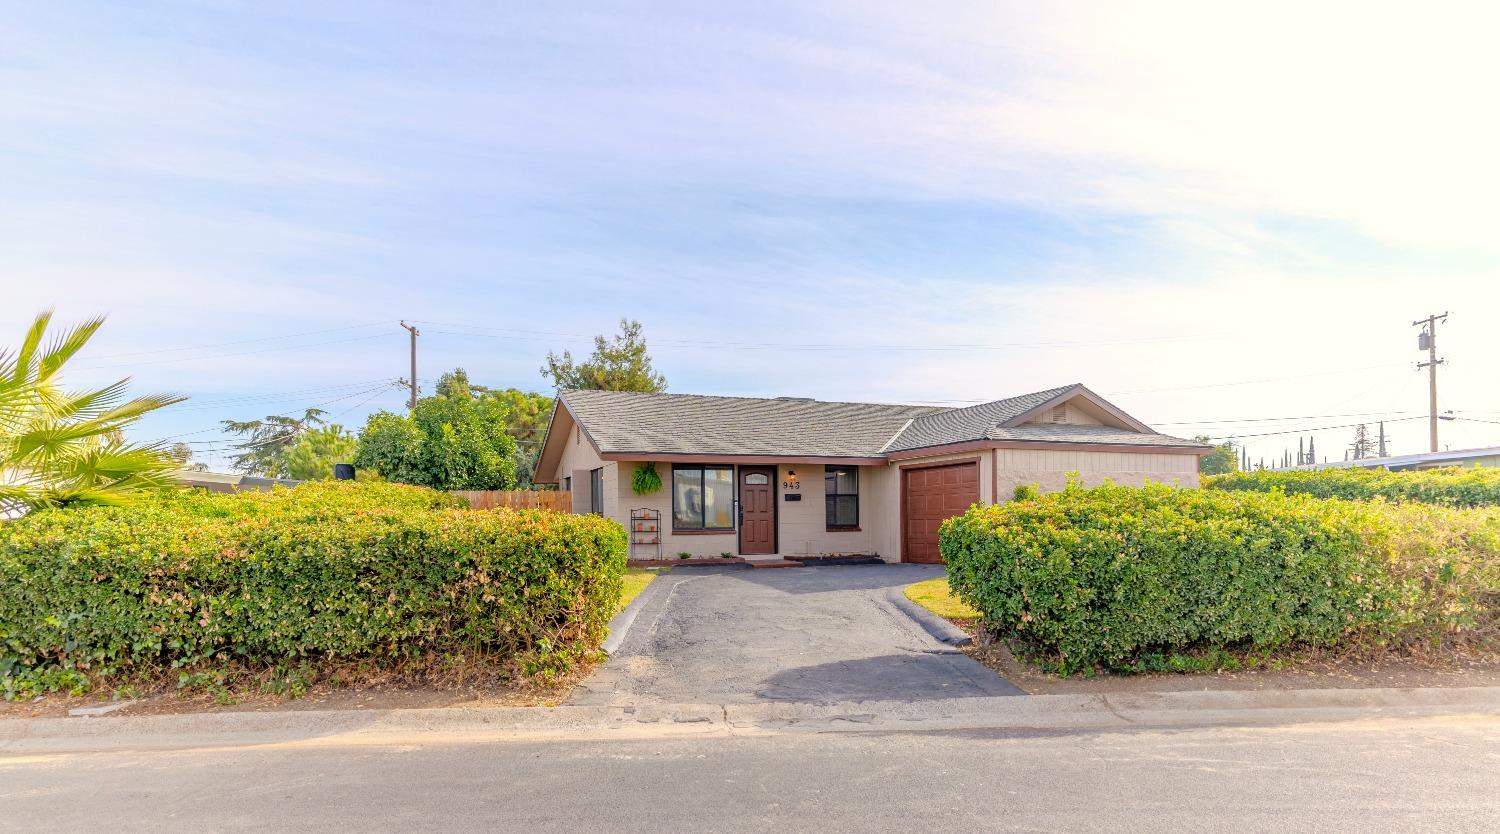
1454	457
226	482
621	425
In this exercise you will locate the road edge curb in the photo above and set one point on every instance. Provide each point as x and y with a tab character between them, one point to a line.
940	629
620	624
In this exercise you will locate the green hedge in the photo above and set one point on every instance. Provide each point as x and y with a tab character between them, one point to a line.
324	571
1115	576
1449	487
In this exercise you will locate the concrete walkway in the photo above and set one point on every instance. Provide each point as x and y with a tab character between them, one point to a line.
815	635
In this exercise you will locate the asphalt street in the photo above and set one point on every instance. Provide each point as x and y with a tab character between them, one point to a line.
1397	775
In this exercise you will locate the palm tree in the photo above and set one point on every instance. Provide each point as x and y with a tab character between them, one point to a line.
59	447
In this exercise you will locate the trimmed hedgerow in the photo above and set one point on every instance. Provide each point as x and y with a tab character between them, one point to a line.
1111	576
1450	487
383	572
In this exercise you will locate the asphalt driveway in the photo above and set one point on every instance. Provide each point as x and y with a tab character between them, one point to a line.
823	635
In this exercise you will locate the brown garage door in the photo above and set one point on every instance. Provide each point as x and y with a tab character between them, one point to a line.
928	496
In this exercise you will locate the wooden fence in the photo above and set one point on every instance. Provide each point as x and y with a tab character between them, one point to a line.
489	499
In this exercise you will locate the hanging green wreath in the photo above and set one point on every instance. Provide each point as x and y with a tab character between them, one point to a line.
646	480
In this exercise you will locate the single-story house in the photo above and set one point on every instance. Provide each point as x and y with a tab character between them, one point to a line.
795	476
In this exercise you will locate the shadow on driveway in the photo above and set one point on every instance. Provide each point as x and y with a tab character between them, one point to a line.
893	677
837	579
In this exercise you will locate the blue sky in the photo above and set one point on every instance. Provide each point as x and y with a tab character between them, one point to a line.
1214	217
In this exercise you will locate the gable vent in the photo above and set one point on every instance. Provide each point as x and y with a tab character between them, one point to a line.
1059	414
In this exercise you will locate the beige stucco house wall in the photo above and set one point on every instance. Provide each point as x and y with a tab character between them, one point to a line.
800	524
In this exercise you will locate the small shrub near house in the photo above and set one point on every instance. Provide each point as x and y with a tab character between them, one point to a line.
1113	577
398	576
1448	487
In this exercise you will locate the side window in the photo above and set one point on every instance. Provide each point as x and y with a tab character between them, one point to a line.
596	491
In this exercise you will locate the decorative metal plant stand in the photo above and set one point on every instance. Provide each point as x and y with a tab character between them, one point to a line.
645	534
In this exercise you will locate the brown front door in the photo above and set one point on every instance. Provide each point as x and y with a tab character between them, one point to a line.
929	495
757	510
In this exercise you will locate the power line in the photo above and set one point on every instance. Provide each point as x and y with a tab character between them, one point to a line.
231	355
239	341
251	399
541	335
376	391
1301	429
1259	381
1274	419
1477	420
359	404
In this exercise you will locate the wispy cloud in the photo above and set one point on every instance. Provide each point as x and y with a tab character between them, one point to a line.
1153	196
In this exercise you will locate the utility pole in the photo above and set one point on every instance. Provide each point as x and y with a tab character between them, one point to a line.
412	404
1428	339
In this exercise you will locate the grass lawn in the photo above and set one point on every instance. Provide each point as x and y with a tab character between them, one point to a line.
935	596
636	580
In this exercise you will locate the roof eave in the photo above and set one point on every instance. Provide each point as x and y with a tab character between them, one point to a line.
710	457
540	469
1064	445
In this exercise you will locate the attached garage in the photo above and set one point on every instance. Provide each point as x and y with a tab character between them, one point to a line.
929	496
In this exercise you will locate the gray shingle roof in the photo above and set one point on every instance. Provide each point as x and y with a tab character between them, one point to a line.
956	425
622	422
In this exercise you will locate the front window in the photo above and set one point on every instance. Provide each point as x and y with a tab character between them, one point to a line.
841	496
702	497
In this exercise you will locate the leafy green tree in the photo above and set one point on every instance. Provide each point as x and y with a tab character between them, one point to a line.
391	446
618	364
183	454
59	447
524	415
455	383
1224	459
445	443
312	457
264	450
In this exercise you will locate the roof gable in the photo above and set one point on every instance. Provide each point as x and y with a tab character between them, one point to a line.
1077	392
559	426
